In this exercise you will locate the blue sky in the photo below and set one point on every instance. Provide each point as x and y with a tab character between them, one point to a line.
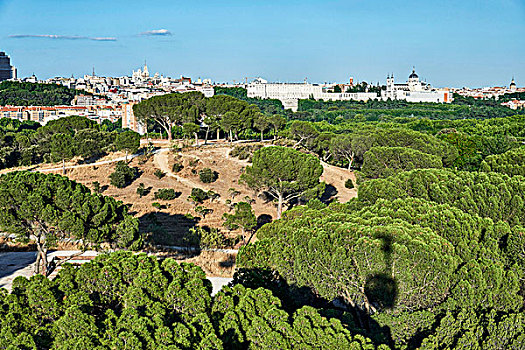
451	43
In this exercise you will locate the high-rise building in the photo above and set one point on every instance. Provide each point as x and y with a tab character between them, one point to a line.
6	70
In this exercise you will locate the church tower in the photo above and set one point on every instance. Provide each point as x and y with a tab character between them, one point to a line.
145	72
512	85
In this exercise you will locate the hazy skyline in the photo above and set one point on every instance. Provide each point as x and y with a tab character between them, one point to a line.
468	43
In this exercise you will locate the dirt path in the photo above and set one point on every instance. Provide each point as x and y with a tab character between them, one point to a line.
160	160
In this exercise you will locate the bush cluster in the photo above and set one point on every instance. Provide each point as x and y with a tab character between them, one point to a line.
123	175
167	194
208	176
159	174
177	167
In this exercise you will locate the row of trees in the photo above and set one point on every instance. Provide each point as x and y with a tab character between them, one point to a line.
60	140
192	111
336	112
379	152
35	94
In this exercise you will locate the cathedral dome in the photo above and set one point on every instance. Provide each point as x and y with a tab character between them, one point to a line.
413	75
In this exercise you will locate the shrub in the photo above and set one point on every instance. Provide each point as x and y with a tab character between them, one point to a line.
177	167
96	187
198	195
213	195
167	194
244	152
159	174
349	183
207	175
142	190
316	204
203	211
123	175
213	238
157	205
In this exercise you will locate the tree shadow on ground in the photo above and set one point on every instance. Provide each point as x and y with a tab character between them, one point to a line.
262	220
92	159
228	262
329	194
169	229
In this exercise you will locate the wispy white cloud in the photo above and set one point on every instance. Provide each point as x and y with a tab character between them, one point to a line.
103	39
157	32
61	37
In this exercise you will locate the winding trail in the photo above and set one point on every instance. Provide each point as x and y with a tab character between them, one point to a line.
160	159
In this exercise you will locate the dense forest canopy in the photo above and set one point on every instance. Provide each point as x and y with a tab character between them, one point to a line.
429	255
26	143
126	301
36	94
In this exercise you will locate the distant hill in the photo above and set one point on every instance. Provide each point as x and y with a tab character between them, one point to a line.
35	94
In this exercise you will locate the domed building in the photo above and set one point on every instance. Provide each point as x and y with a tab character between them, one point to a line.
512	85
413	90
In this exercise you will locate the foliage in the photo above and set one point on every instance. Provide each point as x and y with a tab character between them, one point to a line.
127	301
142	190
198	195
243	218
349	184
284	173
207	175
51	207
59	140
123	175
36	94
402	262
171	110
158	206
210	238
376	110
128	141
244	151
177	167
167	194
482	330
381	162
511	162
267	106
492	195
159	174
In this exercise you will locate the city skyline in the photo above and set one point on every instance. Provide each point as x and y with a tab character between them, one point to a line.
475	43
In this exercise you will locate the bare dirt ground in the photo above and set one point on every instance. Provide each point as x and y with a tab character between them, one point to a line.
173	222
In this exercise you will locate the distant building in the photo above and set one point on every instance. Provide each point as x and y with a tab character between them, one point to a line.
290	93
83	100
129	120
512	85
6	70
414	90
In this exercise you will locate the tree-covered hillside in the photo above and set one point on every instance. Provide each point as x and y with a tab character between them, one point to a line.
35	94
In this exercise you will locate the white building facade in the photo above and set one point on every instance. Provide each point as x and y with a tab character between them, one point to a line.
290	93
414	90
